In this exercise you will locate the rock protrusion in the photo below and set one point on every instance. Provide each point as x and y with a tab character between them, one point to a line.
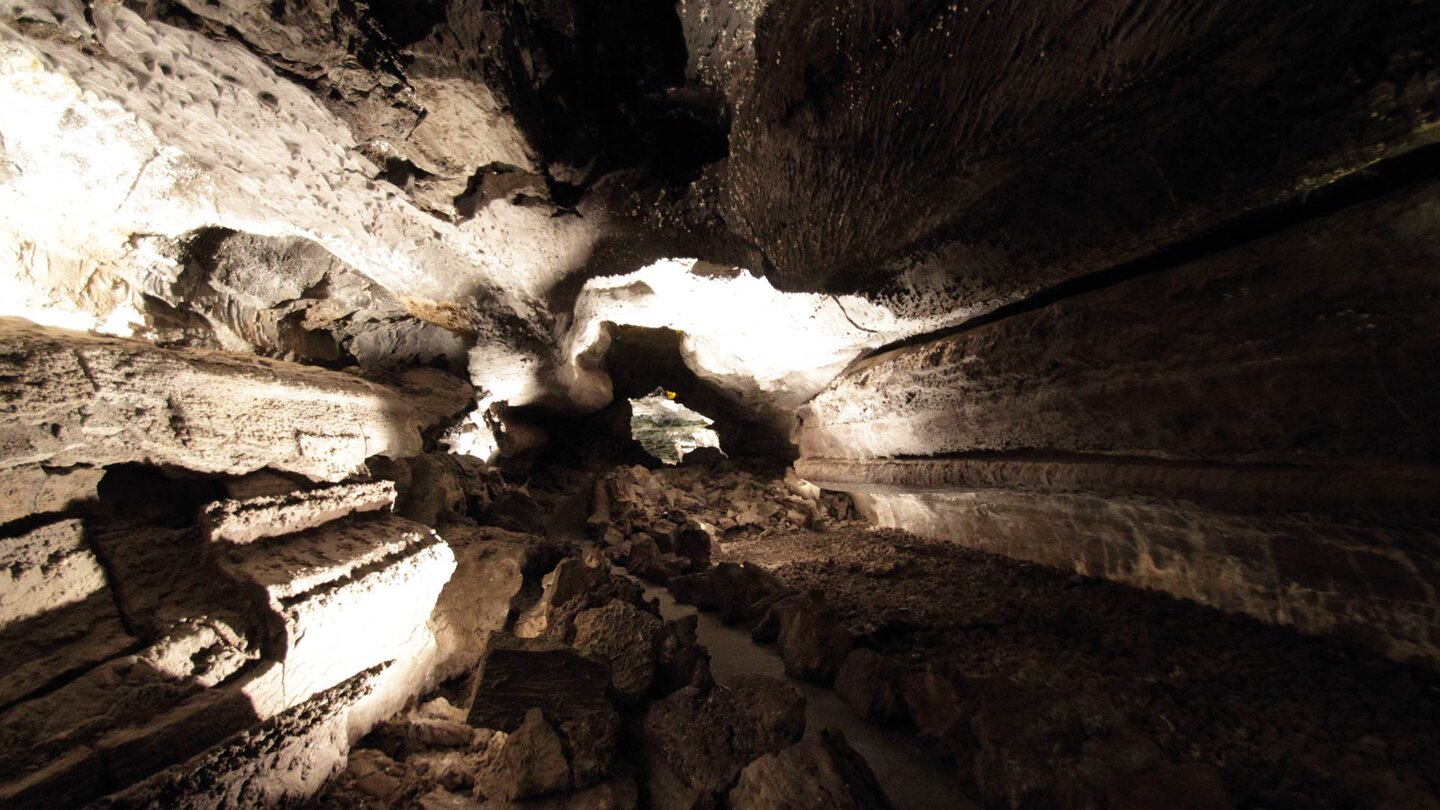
822	771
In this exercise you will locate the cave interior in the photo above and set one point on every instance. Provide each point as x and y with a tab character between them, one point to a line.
720	404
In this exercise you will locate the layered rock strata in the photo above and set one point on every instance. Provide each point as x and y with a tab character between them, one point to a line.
1253	430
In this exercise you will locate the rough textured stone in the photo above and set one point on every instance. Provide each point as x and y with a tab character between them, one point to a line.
1317	575
531	762
59	644
696	744
126	708
811	639
1039	748
245	521
517	675
738	591
164	576
286	759
1257	448
348	596
489	575
1016	164
47	568
625	639
81	399
680	660
822	771
1324	361
619	794
37	490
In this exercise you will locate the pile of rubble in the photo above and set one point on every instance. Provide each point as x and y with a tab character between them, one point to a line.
662	523
1017	745
592	700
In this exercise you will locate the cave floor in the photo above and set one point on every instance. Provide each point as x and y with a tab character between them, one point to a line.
1288	720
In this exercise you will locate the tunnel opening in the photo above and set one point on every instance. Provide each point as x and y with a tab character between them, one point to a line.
639	362
668	430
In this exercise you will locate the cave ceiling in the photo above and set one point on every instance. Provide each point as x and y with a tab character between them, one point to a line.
465	181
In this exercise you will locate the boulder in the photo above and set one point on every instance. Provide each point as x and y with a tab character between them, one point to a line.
592	740
1038	748
871	685
694	540
530	762
696	744
624	638
705	458
822	771
376	775
661	568
427	491
618	794
489	575
941	703
569	588
738	591
811	639
402	737
680	660
515	510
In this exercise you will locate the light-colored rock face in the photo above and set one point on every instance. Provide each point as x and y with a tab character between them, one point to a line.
245	521
35	490
77	399
171	131
47	568
1253	430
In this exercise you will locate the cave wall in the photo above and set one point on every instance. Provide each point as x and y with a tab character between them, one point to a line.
1254	429
195	542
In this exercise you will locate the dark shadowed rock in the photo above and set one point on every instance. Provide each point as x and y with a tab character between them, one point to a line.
694	540
707	458
619	794
517	675
737	591
1044	749
680	659
696	744
514	510
811	639
661	568
940	703
870	684
571	587
1177	787
823	771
